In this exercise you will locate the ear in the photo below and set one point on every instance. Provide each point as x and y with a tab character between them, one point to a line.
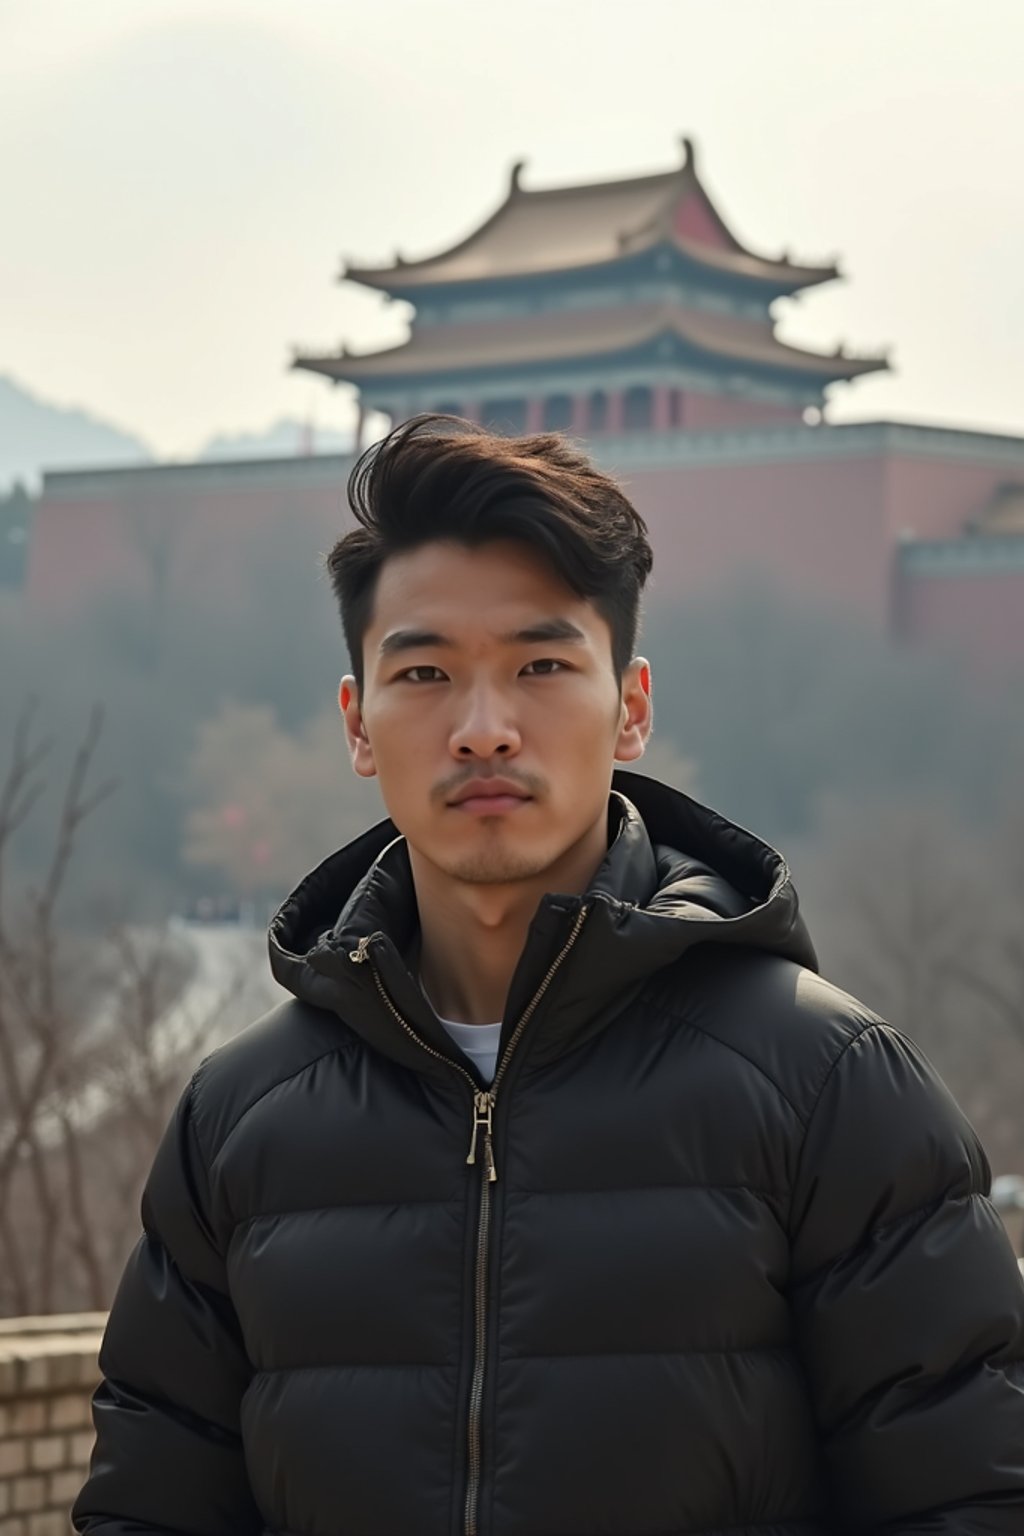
359	749
636	711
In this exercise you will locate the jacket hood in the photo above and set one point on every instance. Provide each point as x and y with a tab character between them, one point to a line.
676	874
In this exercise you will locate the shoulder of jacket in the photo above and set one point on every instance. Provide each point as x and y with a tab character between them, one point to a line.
275	1047
790	1023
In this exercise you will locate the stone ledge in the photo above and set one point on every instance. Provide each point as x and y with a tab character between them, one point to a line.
56	1322
40	1357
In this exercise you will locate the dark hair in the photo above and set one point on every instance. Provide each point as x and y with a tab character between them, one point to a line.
439	477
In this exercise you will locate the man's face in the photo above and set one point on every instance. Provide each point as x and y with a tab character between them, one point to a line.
546	714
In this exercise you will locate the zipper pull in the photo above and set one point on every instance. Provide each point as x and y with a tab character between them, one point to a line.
358	955
483	1107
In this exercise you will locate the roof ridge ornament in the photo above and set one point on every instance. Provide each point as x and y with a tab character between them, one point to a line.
689	152
515	175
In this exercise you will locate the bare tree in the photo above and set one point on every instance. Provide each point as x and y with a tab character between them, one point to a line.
994	970
155	1033
923	919
94	1045
33	1026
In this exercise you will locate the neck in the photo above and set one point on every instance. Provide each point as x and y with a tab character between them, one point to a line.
472	936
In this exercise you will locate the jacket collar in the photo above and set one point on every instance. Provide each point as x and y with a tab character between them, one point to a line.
676	874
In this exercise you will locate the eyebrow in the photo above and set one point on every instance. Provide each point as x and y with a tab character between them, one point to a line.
561	630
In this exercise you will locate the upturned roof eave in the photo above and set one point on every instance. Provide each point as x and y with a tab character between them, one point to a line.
793	364
774	279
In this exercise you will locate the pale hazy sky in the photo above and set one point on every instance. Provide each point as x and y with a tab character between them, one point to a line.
180	181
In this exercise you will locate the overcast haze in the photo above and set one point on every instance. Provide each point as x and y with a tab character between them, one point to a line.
181	182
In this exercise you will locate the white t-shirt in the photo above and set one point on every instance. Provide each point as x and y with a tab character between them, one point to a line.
477	1041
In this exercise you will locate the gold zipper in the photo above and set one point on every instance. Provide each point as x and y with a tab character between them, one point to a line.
357	956
483	1119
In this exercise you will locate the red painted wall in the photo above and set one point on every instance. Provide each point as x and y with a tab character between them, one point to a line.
826	528
81	549
818	525
976	615
815	527
935	498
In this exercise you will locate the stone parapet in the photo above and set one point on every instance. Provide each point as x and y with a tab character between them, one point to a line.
48	1373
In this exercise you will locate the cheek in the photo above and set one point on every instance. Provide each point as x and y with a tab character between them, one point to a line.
407	744
392	721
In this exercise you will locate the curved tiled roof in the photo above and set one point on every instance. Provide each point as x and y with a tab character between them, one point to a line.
592	224
569	335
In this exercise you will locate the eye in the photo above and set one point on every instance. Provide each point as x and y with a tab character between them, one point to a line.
407	674
548	661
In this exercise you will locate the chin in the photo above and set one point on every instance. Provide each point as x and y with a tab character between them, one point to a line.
495	865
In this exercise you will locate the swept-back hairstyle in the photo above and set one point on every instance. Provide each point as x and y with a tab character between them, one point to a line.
439	477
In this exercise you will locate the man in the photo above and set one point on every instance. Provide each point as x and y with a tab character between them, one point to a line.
566	1199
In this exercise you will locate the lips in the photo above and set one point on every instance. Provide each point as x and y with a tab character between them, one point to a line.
491	805
488	789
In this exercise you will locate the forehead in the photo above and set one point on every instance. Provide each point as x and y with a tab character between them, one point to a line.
448	585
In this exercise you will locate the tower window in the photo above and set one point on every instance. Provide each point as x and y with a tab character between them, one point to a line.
557	413
507	416
636	410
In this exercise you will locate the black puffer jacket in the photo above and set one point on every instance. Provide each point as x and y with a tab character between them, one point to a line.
721	1259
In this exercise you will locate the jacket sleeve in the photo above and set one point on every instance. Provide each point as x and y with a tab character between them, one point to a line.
908	1303
168	1454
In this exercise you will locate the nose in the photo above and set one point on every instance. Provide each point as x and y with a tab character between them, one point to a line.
484	728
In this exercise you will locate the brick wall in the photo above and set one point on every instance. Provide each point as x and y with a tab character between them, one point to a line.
48	1373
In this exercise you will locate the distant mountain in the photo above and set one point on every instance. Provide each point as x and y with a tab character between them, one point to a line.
281	441
35	435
